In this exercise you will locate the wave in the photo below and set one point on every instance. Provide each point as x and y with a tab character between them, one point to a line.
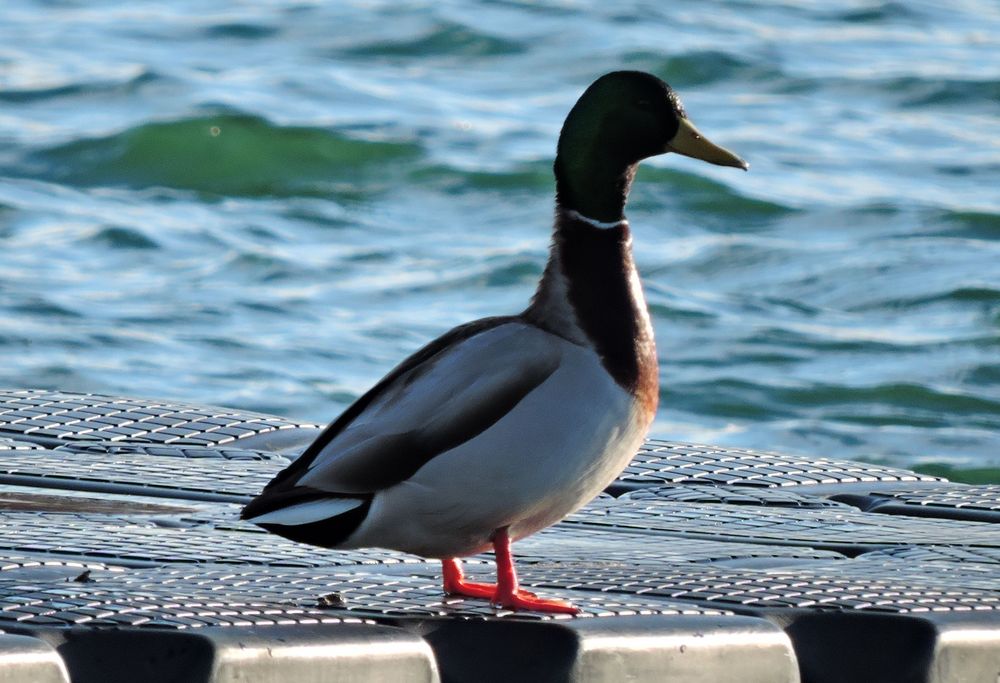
905	396
875	13
826	339
227	154
974	224
985	374
118	237
702	67
915	92
664	312
528	177
905	92
444	39
979	296
101	87
6	214
240	30
261	267
934	222
705	196
42	307
515	270
881	404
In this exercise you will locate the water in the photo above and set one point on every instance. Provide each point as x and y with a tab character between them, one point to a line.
268	204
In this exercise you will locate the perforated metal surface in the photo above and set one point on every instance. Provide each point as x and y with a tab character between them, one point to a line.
190	597
731	495
938	553
661	462
834	529
982	497
698	529
15	445
758	589
213	534
65	416
171	451
186	598
953	501
942	575
12	567
147	475
137	540
44	503
104	603
142	540
581	543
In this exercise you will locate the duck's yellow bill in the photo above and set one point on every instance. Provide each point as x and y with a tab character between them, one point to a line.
689	142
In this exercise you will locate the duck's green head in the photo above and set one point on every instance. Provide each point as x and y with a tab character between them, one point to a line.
621	119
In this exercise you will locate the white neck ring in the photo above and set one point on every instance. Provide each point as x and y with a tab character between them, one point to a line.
576	215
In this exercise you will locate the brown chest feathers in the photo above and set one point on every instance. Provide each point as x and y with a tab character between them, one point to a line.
592	271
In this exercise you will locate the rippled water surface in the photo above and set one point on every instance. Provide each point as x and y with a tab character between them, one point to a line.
268	204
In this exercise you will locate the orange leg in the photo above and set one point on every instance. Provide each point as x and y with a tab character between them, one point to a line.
506	591
455	583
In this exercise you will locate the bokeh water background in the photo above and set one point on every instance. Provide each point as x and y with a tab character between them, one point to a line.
268	204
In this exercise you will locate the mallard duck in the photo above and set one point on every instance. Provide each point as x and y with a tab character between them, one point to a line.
503	426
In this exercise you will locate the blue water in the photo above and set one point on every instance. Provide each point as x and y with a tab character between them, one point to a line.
267	205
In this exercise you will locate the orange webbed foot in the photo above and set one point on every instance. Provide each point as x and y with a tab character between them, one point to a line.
506	592
526	600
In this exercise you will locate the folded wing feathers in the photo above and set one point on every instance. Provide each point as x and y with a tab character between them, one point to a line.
415	414
463	392
402	372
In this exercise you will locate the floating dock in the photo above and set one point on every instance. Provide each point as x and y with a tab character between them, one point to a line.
122	558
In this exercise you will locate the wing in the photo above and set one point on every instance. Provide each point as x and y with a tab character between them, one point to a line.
444	395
